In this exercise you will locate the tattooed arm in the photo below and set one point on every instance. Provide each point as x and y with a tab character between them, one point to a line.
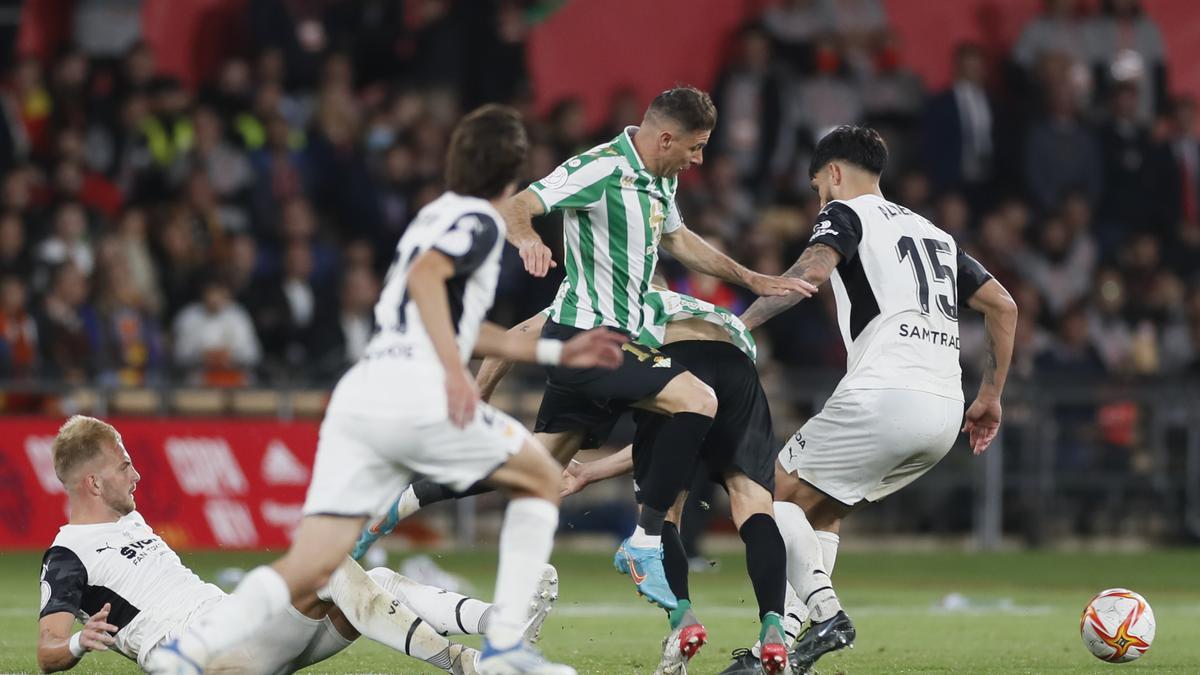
494	368
1000	320
814	266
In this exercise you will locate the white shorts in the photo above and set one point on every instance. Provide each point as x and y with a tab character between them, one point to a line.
869	443
288	642
365	461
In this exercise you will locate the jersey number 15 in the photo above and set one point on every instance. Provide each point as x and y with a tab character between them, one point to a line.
942	273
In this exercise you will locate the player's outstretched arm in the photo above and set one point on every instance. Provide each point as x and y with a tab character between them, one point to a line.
59	650
1000	321
494	369
690	249
518	214
814	266
596	348
578	475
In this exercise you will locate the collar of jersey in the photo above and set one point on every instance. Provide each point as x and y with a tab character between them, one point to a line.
625	145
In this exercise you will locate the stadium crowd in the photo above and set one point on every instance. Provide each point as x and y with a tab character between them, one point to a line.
236	233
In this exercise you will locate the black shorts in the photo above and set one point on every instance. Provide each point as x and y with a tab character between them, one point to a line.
591	399
741	437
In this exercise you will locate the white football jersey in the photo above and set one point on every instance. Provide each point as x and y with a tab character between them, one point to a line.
470	232
898	289
128	566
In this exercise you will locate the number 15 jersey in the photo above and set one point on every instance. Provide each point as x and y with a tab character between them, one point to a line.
898	288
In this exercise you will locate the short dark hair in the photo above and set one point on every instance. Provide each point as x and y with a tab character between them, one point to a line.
487	151
860	146
691	108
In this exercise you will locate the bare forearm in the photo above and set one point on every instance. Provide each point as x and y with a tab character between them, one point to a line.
53	655
1001	328
696	254
494	368
518	215
815	266
618	463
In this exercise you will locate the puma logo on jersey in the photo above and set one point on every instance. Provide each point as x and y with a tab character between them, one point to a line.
823	228
106	548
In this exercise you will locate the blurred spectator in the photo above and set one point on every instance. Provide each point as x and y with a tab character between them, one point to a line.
893	102
1126	46
132	347
624	109
68	243
107	28
828	98
1062	266
1177	176
568	127
215	343
1107	321
68	329
290	312
18	331
1073	353
279	173
226	167
135	250
959	135
1125	146
795	24
1057	29
341	343
14	254
750	93
1061	154
180	261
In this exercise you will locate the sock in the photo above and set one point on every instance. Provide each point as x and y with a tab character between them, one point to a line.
526	539
261	594
378	615
829	547
766	562
768	620
675	564
794	615
806	569
682	612
447	612
428	492
408	504
648	533
672	454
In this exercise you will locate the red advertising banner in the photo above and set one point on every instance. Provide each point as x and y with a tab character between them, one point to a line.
206	483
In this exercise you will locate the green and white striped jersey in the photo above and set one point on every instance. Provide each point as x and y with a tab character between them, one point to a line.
661	307
614	213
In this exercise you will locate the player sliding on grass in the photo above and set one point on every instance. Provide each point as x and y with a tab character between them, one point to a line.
410	406
108	569
899	283
739	450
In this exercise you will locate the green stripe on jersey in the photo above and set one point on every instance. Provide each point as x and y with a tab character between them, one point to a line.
663	307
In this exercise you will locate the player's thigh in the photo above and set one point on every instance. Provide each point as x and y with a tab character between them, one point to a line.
530	471
843	451
357	471
459	457
926	432
563	445
319	545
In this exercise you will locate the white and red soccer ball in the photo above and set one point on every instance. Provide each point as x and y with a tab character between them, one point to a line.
1117	625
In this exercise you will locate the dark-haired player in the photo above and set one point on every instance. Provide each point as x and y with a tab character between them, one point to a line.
899	282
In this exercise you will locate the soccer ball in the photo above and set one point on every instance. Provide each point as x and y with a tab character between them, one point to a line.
1117	625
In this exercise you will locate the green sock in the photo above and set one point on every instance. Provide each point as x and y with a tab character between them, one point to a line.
770	619
676	615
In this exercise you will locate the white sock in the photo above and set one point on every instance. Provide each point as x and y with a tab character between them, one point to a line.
640	539
261	594
408	504
806	568
376	614
526	539
829	547
447	612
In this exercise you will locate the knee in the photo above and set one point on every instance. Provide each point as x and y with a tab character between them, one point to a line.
692	396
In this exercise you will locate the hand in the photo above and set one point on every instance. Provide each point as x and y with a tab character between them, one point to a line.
766	286
98	632
574	478
982	423
536	257
461	397
597	348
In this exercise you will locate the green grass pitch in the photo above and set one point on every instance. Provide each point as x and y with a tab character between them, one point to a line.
1020	614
